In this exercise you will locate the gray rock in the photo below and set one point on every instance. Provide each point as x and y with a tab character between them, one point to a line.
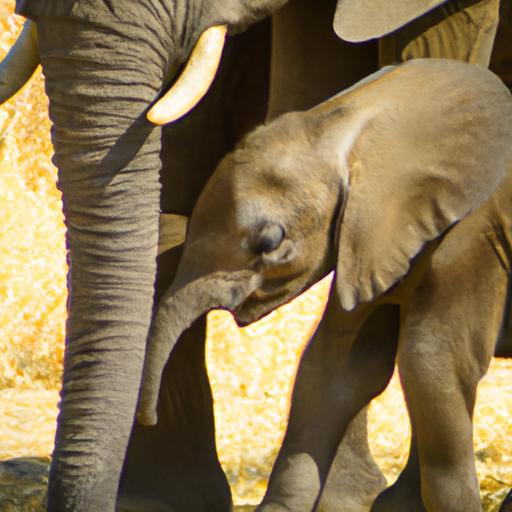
23	483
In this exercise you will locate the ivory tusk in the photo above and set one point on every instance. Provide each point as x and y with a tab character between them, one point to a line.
195	80
20	63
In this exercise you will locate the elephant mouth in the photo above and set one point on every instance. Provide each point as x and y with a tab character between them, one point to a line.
272	288
253	310
268	297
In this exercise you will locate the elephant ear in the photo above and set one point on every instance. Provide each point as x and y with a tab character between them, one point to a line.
429	141
360	20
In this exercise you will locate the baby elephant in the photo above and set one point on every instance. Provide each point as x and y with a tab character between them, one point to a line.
403	185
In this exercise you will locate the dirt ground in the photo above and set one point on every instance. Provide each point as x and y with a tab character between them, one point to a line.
249	430
251	371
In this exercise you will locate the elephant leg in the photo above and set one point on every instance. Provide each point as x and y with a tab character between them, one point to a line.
349	361
173	466
458	29
405	493
354	479
446	344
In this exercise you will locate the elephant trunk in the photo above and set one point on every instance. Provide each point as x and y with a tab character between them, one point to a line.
20	63
178	309
108	158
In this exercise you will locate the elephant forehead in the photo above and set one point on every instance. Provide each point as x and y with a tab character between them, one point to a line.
254	210
360	20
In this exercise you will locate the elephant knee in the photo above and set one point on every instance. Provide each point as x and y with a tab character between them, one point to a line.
424	359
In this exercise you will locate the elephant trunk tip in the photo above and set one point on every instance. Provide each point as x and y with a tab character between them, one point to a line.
147	417
146	413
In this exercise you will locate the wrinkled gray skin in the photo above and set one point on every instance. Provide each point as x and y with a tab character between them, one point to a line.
105	63
402	185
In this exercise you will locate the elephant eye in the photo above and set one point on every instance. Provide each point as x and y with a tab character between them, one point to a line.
267	238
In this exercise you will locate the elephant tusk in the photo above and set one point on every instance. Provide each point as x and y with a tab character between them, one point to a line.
195	80
20	63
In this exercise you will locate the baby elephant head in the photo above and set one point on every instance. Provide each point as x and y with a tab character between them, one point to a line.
360	183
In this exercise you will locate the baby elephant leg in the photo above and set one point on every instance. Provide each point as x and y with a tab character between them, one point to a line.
405	493
445	347
349	361
354	479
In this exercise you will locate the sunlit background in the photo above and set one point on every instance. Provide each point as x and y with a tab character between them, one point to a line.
251	369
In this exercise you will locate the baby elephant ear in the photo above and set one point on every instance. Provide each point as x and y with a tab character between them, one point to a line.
437	146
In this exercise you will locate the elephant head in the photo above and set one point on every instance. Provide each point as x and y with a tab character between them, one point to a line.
197	77
354	20
360	183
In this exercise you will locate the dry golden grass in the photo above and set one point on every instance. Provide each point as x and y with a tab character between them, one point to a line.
251	369
32	274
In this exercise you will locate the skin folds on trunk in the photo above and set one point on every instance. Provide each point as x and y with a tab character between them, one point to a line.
178	309
108	159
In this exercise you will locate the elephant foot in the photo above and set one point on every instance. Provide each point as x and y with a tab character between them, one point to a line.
272	507
199	495
400	496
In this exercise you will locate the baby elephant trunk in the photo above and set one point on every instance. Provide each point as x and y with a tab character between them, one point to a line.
178	309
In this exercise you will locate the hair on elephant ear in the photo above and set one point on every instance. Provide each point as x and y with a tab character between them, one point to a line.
420	146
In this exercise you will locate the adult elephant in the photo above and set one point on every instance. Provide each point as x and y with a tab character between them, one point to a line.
105	62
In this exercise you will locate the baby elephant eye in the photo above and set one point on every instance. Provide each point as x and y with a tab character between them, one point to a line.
268	238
